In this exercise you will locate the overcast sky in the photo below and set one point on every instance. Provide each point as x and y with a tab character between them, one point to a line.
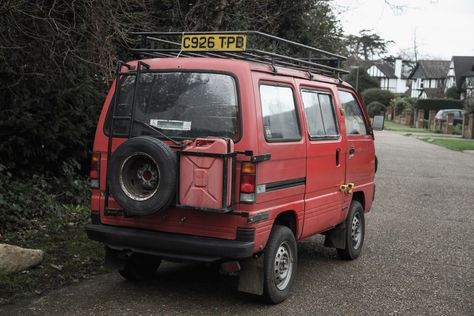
444	28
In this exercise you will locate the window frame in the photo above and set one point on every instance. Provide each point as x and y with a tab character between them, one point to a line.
295	103
333	106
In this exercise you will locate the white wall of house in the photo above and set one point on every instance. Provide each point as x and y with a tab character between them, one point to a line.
395	85
419	84
469	87
451	77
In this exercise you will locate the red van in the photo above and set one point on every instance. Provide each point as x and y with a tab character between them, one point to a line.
209	149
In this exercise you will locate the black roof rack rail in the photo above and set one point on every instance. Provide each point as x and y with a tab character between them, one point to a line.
260	47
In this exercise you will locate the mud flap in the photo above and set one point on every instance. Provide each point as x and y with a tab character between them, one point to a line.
251	275
336	237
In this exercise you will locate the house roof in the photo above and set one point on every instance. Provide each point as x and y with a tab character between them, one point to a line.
463	67
434	92
430	69
386	68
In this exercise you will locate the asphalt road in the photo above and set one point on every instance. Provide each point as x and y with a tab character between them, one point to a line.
418	256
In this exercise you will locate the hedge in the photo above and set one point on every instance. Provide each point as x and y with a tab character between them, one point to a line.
438	104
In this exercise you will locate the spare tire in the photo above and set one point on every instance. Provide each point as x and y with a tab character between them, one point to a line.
142	175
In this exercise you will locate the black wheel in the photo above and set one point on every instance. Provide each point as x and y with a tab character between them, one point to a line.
355	232
140	268
280	263
142	176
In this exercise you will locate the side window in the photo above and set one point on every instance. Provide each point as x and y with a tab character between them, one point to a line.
355	124
280	122
320	115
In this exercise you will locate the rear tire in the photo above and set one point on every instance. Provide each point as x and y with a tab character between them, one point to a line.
140	268
355	232
280	265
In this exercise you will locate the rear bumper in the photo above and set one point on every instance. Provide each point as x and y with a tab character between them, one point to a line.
172	246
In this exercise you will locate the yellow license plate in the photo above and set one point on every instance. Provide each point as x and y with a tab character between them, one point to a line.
214	42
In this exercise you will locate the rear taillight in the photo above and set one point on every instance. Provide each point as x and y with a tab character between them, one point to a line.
95	170
248	179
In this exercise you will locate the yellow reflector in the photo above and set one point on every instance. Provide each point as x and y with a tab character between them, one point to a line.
248	167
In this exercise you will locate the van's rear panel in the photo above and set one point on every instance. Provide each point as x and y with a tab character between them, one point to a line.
203	174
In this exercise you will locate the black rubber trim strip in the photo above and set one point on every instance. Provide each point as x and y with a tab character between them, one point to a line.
284	184
174	245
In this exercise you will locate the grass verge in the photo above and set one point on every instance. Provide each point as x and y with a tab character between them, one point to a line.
458	144
69	256
392	126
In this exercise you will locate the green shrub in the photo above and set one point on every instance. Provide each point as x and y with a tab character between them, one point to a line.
375	108
376	94
469	105
437	104
361	79
399	105
457	130
452	93
25	200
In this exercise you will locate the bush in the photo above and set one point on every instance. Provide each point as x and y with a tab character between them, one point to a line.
376	94
364	81
469	105
437	104
399	105
375	108
452	93
24	200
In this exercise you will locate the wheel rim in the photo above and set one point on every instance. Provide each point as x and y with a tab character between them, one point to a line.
356	231
283	266
139	177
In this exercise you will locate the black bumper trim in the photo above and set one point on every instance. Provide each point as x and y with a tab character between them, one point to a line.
170	245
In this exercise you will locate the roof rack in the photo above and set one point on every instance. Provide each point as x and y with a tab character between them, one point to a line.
254	46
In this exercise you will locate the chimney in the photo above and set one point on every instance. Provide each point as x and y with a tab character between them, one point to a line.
398	68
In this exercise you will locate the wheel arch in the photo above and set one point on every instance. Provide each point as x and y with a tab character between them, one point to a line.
289	219
359	196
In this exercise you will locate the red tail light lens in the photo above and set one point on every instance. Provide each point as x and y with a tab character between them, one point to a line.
248	179
95	170
247	183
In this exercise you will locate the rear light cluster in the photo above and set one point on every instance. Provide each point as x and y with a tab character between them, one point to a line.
95	170
248	179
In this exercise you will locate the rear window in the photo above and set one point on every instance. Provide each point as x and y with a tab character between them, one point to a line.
181	104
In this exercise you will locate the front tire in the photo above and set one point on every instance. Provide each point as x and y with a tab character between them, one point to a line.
280	265
355	232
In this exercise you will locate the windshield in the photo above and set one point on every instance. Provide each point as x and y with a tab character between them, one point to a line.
181	104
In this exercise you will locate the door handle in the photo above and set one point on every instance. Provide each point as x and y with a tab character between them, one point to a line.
351	151
337	157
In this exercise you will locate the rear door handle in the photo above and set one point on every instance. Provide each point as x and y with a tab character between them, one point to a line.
351	151
337	157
